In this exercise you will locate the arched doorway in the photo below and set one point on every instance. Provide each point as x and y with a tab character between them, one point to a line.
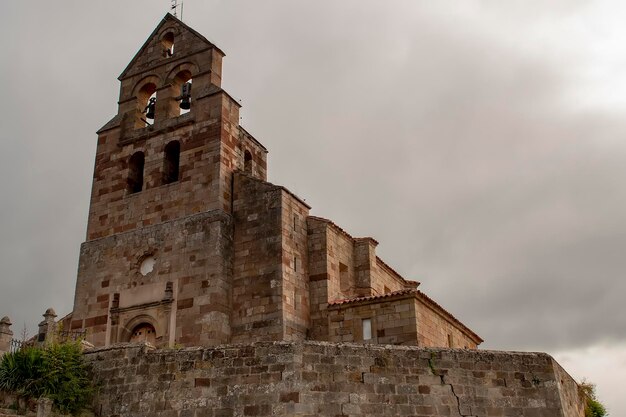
143	332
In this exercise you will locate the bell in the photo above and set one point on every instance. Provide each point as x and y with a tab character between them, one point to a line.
185	96
185	103
150	108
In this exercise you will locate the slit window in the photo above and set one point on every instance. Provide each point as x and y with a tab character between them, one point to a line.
247	162
296	261
171	162
135	173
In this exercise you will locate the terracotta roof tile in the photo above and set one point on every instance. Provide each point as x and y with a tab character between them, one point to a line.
418	294
373	297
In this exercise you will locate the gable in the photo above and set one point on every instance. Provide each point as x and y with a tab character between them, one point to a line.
152	53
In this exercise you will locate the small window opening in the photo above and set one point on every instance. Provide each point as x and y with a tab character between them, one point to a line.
168	44
295	264
386	290
295	222
247	162
367	329
171	162
450	341
135	173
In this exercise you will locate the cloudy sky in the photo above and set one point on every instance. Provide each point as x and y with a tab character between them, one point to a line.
483	143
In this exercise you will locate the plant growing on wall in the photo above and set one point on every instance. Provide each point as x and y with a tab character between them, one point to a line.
57	372
593	407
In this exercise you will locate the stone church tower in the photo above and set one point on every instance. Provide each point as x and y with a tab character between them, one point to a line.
188	244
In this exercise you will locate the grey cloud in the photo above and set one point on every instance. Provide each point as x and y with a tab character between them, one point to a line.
417	124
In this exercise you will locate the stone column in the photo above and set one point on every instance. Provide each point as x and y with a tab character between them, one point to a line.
47	328
6	335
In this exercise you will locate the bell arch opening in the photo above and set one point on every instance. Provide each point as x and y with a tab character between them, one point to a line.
168	44
146	105
181	93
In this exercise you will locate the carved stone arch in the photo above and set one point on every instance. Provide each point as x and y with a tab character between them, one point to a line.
167	38
168	29
148	79
126	331
188	66
145	96
180	77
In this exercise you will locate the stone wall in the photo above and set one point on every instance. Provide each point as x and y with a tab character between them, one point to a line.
257	291
437	327
326	379
295	264
186	297
392	321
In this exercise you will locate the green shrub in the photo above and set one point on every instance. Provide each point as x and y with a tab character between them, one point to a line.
21	372
593	407
57	372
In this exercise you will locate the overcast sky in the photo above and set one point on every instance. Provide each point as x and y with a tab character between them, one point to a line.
482	143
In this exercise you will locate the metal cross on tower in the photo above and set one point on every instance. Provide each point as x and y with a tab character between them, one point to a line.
174	7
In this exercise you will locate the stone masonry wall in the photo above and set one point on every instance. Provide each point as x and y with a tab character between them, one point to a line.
193	254
318	277
257	290
393	321
436	330
295	275
327	379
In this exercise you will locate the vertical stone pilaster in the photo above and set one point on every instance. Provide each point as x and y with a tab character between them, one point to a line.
364	263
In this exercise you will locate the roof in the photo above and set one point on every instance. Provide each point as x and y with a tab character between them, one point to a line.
273	186
339	229
166	18
381	263
393	294
407	293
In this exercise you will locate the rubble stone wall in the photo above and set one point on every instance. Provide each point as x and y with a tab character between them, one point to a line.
329	379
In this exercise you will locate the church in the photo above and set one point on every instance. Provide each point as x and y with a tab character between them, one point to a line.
188	244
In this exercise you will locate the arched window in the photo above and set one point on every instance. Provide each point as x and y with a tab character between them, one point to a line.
181	84
146	105
247	162
135	173
168	44
171	162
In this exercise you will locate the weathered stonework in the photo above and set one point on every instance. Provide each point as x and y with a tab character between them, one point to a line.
329	379
188	244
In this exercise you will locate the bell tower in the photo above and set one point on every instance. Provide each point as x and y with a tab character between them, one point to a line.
159	247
